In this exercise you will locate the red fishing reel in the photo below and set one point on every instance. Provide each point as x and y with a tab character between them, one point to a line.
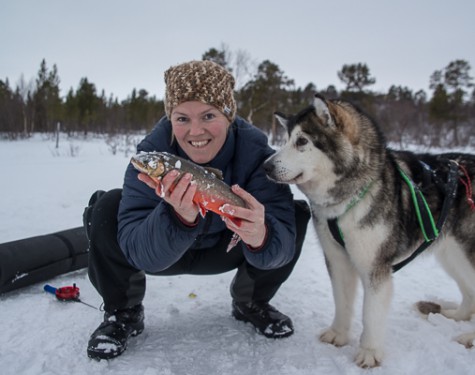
66	293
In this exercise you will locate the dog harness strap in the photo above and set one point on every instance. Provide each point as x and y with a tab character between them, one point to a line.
468	186
358	197
424	216
428	226
419	250
335	231
333	223
450	190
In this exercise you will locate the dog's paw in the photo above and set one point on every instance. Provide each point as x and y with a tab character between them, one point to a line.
369	358
466	339
457	314
330	336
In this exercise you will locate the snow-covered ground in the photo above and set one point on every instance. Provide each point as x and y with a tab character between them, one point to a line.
189	328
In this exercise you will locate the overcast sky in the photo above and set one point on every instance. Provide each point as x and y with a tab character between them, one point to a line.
119	45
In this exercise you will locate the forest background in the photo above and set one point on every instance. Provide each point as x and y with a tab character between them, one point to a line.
445	117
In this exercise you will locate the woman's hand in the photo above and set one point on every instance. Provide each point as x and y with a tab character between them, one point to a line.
176	192
253	229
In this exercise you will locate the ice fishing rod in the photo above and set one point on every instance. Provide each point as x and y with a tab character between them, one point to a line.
66	293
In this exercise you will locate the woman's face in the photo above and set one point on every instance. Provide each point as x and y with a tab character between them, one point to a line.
200	130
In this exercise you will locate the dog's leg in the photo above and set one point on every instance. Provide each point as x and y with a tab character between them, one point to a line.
465	309
377	299
344	281
458	266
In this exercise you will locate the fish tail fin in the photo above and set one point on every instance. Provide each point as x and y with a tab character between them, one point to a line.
203	210
234	241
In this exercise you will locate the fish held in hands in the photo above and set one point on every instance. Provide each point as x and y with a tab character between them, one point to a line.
212	192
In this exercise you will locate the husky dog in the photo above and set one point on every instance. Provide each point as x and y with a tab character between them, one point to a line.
374	209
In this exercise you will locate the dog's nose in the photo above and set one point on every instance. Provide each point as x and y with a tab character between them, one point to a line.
268	167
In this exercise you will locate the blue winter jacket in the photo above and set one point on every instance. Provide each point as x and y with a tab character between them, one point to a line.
153	238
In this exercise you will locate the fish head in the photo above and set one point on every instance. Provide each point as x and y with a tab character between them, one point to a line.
150	163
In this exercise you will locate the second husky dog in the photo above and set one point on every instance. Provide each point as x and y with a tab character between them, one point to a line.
373	208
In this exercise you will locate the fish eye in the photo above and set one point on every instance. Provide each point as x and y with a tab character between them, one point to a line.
156	170
301	141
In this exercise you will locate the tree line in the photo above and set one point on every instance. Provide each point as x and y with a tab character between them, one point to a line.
446	118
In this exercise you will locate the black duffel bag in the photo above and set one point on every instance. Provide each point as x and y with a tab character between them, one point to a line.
31	260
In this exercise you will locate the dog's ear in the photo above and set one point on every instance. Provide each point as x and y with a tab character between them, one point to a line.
283	120
322	111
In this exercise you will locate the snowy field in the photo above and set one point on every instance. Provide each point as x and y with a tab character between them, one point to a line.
189	328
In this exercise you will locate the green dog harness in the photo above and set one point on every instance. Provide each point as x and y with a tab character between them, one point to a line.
430	229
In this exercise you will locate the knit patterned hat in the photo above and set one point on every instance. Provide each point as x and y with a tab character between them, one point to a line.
203	81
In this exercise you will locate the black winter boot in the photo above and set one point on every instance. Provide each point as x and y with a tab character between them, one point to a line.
264	317
110	339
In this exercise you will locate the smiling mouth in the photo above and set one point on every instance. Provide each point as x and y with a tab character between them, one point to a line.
199	144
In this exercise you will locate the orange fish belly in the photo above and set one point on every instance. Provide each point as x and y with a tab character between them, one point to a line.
208	202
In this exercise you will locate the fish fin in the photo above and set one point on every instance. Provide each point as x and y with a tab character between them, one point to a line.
216	172
202	210
233	242
159	188
223	211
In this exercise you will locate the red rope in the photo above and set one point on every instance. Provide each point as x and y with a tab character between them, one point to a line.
468	187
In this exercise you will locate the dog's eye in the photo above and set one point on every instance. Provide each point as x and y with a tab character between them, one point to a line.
301	141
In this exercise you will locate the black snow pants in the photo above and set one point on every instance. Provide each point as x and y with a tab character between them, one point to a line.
121	285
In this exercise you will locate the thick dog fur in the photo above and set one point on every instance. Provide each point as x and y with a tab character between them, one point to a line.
338	158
